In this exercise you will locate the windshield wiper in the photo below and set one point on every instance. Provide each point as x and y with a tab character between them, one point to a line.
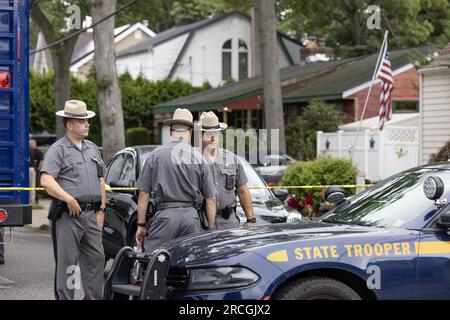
338	221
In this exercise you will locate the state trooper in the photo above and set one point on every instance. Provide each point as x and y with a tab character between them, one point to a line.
73	174
229	176
178	179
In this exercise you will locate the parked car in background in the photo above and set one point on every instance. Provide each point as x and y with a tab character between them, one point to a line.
123	170
44	140
272	167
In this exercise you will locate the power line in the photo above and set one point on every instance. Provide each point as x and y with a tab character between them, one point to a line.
54	44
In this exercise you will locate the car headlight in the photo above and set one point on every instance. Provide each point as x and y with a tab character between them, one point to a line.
221	278
294	217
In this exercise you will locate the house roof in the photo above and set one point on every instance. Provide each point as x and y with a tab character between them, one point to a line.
326	80
351	75
217	97
185	29
442	61
85	46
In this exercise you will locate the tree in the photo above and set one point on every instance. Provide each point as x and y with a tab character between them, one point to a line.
165	14
49	17
301	133
343	23
273	106
108	90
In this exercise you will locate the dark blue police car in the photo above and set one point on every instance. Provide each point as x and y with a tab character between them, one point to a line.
390	242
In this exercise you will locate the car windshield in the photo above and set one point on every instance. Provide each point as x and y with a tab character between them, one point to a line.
254	180
394	203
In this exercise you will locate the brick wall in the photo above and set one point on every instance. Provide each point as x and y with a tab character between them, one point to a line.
406	87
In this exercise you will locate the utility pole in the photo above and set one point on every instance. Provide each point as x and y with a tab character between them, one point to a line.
273	104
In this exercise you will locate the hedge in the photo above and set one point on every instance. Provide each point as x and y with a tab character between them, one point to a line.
324	171
138	97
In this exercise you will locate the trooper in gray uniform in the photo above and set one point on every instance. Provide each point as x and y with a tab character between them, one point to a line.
228	173
178	179
73	174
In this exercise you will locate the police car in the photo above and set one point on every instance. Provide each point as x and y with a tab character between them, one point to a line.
390	242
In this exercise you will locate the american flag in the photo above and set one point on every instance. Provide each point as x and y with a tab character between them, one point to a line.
387	84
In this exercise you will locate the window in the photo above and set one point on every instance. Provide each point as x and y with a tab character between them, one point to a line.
128	172
405	106
241	118
226	60
243	60
115	168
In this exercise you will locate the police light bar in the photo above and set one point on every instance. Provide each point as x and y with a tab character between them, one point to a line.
3	215
5	79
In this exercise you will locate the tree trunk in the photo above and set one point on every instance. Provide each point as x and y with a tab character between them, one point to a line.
108	91
273	105
62	86
61	56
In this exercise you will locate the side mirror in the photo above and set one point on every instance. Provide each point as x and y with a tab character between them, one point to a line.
433	188
123	184
281	194
444	221
335	195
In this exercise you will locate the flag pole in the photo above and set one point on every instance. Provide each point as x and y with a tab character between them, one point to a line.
368	94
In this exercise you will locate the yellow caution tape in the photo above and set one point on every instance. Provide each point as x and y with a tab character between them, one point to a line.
316	187
261	187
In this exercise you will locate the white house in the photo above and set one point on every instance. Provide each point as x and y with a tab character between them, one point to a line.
214	50
435	105
82	58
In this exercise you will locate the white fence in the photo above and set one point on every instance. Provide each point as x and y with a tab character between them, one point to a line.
378	154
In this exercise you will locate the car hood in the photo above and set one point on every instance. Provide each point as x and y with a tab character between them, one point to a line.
214	246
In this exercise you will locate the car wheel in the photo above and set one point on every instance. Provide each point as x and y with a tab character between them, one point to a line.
316	288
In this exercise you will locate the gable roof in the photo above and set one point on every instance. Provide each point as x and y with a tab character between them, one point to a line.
355	74
85	46
175	32
217	97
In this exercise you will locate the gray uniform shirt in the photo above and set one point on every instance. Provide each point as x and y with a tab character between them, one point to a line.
176	172
227	166
76	171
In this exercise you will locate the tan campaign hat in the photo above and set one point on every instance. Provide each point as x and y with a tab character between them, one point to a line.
181	116
75	109
210	122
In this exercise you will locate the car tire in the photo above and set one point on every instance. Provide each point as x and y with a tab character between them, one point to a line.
316	288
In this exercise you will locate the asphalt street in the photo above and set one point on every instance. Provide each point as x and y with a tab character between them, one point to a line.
29	270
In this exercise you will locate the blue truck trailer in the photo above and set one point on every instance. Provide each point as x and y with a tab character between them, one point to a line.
14	113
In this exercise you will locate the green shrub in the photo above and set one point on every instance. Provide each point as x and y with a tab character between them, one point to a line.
324	171
301	134
138	97
137	136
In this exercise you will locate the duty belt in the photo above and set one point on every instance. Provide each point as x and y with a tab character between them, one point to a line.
175	204
88	206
